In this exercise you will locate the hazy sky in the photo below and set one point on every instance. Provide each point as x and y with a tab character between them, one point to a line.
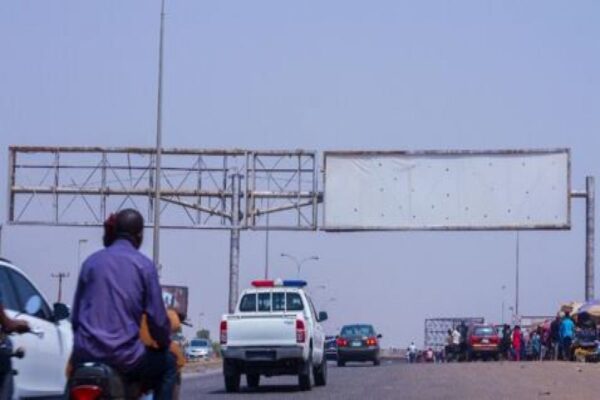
318	75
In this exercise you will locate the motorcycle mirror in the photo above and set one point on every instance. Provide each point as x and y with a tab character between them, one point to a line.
33	305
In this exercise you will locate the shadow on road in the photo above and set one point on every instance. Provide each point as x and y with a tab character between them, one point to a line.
265	389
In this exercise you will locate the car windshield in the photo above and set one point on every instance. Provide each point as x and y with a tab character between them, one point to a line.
483	331
271	301
358	330
199	343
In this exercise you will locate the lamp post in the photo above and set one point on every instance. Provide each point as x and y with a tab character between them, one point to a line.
299	263
158	159
503	290
80	243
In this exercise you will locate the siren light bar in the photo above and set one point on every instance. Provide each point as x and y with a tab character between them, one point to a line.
265	283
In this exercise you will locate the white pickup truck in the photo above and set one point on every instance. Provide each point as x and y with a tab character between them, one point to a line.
275	330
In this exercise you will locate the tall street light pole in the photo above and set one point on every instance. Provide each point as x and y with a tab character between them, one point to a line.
80	243
299	263
158	172
517	273
503	290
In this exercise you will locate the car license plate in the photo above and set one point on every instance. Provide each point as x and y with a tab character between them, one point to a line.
485	341
260	355
356	344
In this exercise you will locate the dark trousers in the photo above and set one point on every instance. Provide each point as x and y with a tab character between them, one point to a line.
566	348
156	371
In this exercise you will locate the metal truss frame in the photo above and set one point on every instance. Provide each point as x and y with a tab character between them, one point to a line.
197	193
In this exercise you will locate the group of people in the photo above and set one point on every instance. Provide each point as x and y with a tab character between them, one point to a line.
456	343
554	341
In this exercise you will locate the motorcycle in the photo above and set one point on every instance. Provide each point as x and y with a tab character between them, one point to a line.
91	381
7	373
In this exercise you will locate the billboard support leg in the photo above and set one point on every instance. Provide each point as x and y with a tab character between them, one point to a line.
234	252
589	237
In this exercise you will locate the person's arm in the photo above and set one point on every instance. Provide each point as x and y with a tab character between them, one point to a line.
12	325
156	313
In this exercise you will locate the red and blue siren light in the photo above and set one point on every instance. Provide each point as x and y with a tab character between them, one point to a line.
266	283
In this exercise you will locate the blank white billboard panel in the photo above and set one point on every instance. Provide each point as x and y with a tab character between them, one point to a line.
447	190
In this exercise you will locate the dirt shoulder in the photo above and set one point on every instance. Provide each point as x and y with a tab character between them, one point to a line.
202	366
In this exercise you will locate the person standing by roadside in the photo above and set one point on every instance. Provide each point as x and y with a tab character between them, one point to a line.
536	345
517	343
464	332
452	351
412	353
506	341
567	332
555	337
448	349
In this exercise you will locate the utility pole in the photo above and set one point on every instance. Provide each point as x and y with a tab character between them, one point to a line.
158	172
60	276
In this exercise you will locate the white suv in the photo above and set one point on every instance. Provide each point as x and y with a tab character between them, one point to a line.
42	372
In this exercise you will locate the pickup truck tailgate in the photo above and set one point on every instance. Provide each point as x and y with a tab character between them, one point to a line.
262	329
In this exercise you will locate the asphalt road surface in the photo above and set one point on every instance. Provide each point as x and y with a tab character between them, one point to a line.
482	381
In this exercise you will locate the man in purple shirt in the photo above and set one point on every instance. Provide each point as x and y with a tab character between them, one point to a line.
116	286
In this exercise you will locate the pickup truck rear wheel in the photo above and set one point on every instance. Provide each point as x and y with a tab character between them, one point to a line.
304	377
232	376
253	380
320	373
232	383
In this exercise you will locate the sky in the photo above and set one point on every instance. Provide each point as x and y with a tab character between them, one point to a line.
389	75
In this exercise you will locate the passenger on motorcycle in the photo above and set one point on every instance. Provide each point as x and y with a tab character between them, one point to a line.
7	326
117	285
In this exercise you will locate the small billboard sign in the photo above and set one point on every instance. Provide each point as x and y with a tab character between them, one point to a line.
176	297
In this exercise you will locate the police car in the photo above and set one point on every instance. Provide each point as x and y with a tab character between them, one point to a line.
275	330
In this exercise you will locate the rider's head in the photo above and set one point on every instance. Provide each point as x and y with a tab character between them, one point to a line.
129	225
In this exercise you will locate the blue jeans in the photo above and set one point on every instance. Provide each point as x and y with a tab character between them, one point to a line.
157	370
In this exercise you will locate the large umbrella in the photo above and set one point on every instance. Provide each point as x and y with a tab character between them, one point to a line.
571	307
591	307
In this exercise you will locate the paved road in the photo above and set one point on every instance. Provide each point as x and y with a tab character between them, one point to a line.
480	381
